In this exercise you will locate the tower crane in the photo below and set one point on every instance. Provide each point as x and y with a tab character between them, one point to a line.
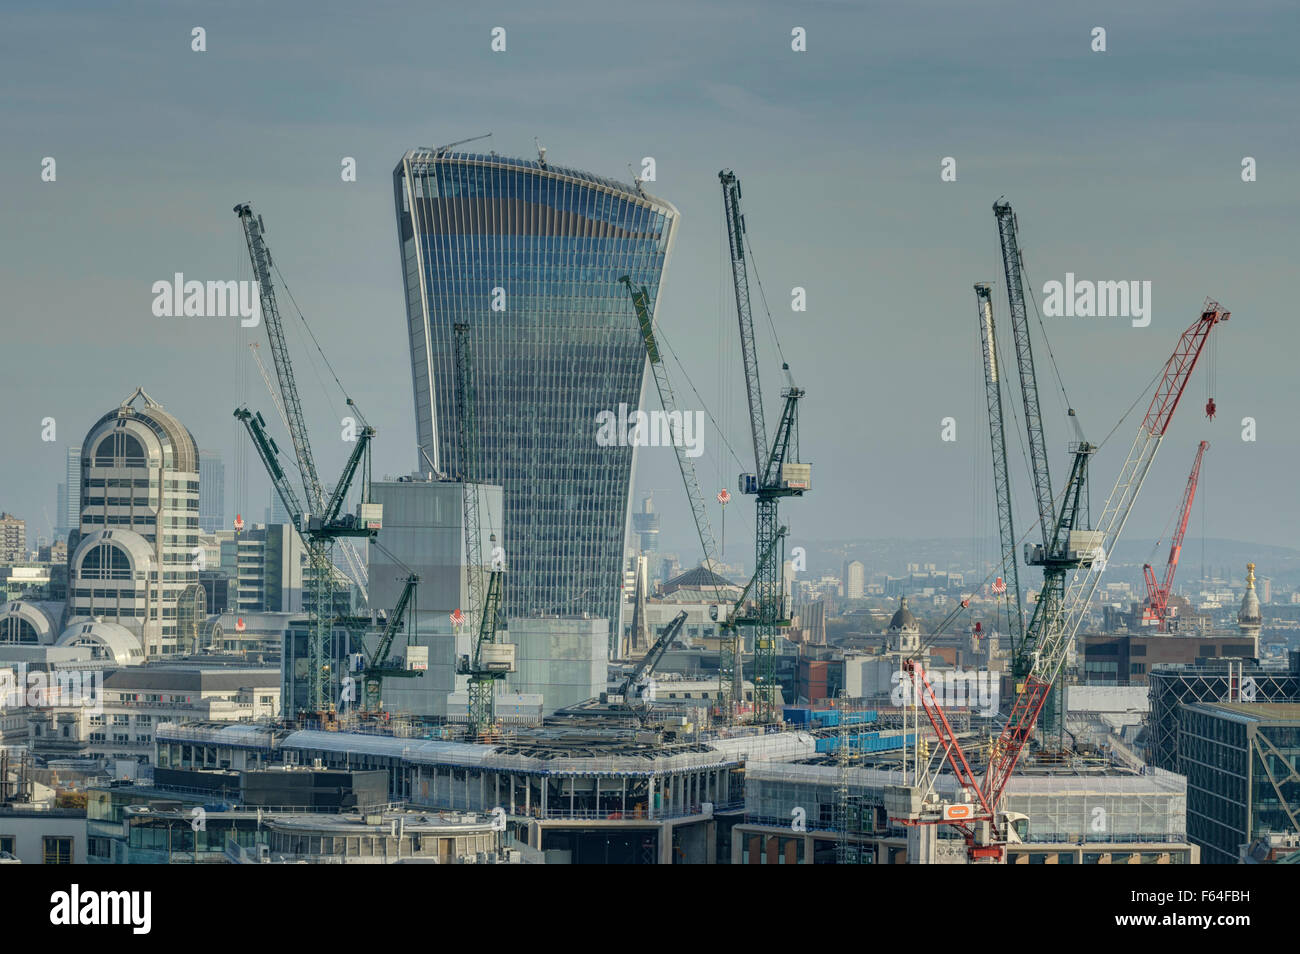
1157	610
1056	555
489	661
357	569
1013	265
1001	478
319	517
730	671
778	471
377	666
979	817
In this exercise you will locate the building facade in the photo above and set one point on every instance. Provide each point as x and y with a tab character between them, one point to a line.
13	539
212	492
1239	759
530	256
134	562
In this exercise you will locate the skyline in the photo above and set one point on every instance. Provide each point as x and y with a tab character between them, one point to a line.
1106	211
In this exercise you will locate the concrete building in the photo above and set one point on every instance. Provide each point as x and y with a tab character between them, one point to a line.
564	659
855	580
530	255
1128	660
134	701
1145	818
572	796
13	540
267	564
133	564
42	835
424	529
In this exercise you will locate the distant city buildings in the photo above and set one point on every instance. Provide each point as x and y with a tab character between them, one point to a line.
855	580
13	539
68	497
212	492
276	512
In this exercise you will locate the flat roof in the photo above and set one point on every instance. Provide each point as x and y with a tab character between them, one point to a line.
1253	711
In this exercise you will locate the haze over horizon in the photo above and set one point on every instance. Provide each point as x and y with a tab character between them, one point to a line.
1104	156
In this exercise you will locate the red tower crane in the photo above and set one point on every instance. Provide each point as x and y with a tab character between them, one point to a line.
977	813
1157	610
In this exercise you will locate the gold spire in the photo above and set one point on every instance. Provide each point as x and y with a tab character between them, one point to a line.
1250	576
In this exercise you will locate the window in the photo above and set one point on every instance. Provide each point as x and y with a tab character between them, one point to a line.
7	845
120	449
56	851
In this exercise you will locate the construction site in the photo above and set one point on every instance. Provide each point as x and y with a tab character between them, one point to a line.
642	759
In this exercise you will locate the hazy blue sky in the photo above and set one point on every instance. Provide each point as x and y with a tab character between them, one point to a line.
1122	165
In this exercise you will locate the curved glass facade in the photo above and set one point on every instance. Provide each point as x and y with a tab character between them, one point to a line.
530	257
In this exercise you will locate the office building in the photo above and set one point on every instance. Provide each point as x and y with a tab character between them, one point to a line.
530	254
1146	818
134	563
13	540
1226	680
267	566
1239	759
855	580
67	514
1127	660
212	492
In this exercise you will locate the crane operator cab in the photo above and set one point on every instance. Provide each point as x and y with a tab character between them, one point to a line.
1015	827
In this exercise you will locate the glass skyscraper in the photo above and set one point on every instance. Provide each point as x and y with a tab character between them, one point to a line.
212	492
529	255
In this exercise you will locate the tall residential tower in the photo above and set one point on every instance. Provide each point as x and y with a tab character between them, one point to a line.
529	255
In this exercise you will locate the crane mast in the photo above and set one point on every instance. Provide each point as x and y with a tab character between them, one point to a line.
1158	593
318	519
980	821
740	280
489	661
1012	265
778	472
260	255
1001	479
729	668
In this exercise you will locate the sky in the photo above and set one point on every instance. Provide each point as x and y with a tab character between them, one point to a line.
1122	165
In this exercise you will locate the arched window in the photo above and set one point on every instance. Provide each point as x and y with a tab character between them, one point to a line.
15	629
120	449
106	562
